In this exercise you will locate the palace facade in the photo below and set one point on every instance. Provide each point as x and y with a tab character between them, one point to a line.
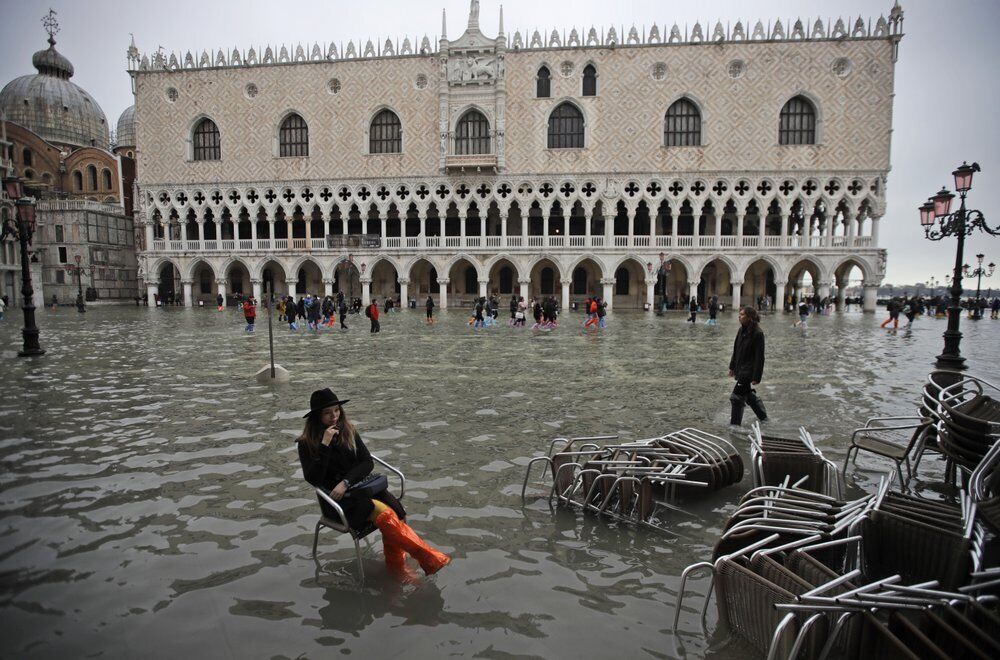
735	161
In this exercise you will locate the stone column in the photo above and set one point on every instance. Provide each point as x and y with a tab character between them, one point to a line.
149	236
152	289
258	290
841	293
482	287
784	228
366	291
630	214
737	293
823	290
779	295
874	231
565	297
220	285
650	293
307	219
404	297
327	287
253	231
186	285
693	288
761	228
461	226
870	296
525	293
608	293
545	227
443	295
201	233
674	215
740	217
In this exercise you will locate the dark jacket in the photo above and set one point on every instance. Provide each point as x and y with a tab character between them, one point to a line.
334	463
747	363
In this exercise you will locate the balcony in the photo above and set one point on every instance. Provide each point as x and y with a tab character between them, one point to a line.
471	162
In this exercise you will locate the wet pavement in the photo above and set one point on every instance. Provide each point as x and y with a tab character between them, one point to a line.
152	504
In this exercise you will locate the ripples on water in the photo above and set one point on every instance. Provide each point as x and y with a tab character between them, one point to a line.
151	502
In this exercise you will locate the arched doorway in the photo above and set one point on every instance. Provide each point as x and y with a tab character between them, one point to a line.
463	287
347	280
848	278
759	282
716	280
203	288
672	284
308	279
503	278
545	280
803	279
423	280
272	276
385	280
168	278
630	285
585	280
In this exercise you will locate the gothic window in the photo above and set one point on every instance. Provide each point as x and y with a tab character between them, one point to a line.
92	177
543	84
621	281
385	134
293	137
548	278
207	145
106	176
589	80
797	124
472	135
26	157
682	125
566	127
77	181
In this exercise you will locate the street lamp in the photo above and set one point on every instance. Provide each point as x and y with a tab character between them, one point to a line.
932	283
979	273
80	307
960	224
22	227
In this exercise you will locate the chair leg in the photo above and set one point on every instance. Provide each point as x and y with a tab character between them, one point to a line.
361	567
847	459
902	482
315	539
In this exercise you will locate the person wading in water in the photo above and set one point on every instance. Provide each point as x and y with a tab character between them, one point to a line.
747	366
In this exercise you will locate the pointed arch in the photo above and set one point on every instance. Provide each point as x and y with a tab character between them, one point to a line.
497	258
459	257
193	268
301	261
292	136
682	123
204	141
585	256
545	256
734	272
780	274
799	120
566	126
384	131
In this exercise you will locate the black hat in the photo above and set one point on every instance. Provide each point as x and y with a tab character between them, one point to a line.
323	398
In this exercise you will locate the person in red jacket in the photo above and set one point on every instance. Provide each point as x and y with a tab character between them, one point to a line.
250	313
372	313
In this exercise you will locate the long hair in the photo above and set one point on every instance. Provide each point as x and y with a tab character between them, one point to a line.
313	432
753	316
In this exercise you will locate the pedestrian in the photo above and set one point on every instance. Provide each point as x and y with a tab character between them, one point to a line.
372	313
602	312
3	306
220	301
313	312
713	311
747	367
291	312
995	308
520	314
250	314
693	308
893	309
429	305
513	309
477	320
803	314
909	310
536	313
342	310
590	307
334	458
280	307
329	318
55	301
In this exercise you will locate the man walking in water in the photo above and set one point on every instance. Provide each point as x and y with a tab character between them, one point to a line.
747	366
372	313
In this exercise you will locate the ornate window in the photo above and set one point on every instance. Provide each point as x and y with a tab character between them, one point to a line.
589	80
472	135
106	179
543	83
207	145
385	134
682	125
797	123
566	127
91	177
293	137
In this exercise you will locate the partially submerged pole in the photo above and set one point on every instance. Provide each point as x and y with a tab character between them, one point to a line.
271	373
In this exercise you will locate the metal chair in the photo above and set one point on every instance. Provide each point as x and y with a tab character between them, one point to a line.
878	437
340	523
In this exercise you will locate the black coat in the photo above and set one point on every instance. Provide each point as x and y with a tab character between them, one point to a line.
334	463
747	363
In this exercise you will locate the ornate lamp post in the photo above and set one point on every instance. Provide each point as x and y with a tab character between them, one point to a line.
938	223
979	273
932	284
22	227
80	307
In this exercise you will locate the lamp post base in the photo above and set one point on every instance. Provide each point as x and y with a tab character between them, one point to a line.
31	352
950	362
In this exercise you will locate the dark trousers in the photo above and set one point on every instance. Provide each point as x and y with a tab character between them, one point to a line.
375	325
742	395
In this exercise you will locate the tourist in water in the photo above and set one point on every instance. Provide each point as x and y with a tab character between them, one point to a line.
713	311
220	301
747	366
3	306
429	305
372	313
477	320
519	315
342	310
602	312
893	309
803	315
513	309
249	313
693	308
334	458
590	309
313	311
291	312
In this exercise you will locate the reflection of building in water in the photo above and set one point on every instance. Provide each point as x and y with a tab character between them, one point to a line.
735	161
56	139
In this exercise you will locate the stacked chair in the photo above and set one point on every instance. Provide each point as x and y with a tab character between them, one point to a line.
968	418
772	458
631	481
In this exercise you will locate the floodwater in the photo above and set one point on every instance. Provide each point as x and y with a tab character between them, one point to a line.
152	504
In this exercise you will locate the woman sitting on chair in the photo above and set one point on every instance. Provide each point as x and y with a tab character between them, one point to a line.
334	458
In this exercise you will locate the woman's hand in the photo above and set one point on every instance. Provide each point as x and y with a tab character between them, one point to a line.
339	491
329	435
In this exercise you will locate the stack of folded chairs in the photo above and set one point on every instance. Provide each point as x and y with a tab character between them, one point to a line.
772	458
888	575
968	414
631	481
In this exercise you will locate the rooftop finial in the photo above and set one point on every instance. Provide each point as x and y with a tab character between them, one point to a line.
501	21
474	15
51	25
444	25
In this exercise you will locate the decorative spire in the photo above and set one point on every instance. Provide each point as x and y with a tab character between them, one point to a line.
501	21
474	15
51	26
444	25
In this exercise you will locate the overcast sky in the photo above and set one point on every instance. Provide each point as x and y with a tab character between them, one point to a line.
947	94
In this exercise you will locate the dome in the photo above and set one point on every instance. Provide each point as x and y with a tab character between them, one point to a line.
125	132
56	109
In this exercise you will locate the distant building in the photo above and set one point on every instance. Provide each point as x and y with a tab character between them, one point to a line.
56	140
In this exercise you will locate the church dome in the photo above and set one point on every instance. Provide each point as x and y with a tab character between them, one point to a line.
125	132
56	109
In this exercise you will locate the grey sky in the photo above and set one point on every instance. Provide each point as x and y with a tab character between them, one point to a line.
946	79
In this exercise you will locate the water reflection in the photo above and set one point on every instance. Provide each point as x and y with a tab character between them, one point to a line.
150	487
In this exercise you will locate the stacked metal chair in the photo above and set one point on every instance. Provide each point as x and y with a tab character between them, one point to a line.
632	481
772	458
968	413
